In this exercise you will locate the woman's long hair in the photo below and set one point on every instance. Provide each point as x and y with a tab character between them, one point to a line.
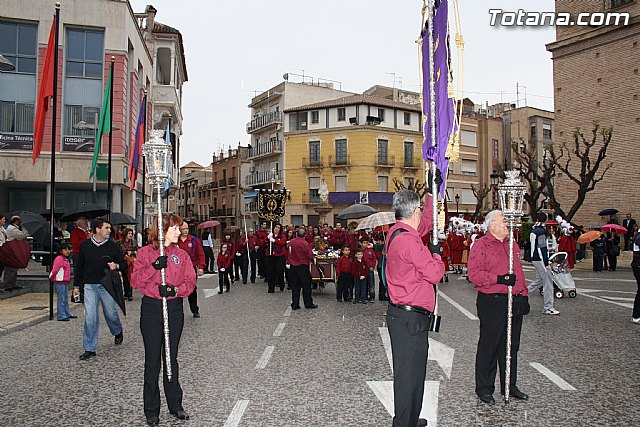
168	220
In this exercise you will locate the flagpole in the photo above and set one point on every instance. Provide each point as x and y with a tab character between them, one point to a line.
52	193
144	162
109	194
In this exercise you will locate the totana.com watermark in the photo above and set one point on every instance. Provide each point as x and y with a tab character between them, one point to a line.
521	18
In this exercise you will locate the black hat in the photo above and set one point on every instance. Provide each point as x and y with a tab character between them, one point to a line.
541	217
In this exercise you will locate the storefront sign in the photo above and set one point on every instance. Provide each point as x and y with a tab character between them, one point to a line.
16	142
78	144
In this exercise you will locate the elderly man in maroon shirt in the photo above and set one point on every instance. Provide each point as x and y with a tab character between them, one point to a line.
489	271
193	247
299	274
411	272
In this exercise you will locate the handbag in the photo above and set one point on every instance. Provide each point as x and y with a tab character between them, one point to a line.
615	250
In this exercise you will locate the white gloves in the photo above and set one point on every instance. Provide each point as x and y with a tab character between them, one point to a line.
222	269
237	253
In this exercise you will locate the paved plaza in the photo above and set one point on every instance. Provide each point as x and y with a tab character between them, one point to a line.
251	361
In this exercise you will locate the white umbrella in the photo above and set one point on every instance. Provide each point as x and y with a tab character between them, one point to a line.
377	219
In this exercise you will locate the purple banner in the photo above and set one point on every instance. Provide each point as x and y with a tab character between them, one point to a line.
351	197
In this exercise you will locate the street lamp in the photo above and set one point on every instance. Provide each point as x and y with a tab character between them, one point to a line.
494	186
457	204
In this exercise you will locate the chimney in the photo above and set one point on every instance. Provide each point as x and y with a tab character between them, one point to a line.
230	153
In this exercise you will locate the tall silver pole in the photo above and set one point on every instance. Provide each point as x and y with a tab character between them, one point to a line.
507	371
432	124
163	275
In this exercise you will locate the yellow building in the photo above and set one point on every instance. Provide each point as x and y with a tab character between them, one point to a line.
357	145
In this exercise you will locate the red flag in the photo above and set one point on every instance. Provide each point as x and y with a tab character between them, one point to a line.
45	91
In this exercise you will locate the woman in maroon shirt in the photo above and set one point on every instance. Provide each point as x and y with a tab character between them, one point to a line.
277	260
181	281
224	267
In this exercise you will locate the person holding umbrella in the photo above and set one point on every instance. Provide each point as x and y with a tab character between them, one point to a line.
14	231
181	282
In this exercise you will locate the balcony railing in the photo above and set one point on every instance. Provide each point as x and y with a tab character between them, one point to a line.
251	207
385	161
264	120
231	181
313	163
220	212
341	161
231	211
258	178
310	199
263	149
214	184
411	164
222	183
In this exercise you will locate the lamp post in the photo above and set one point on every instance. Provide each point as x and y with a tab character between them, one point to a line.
511	193
158	161
494	186
457	204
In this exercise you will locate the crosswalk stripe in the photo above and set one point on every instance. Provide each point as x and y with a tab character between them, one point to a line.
236	413
264	359
552	376
458	306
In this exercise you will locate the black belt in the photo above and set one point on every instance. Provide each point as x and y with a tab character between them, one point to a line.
412	308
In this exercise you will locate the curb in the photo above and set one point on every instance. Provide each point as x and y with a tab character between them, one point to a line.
23	324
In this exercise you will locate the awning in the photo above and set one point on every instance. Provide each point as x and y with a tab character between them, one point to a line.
250	194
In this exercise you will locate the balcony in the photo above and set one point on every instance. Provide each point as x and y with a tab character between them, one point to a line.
310	199
231	181
251	207
214	185
315	163
231	211
166	95
259	178
222	183
220	212
264	120
265	149
385	161
411	164
340	162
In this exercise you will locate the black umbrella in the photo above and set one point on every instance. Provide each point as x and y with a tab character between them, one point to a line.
35	224
112	282
57	213
607	212
118	218
87	210
356	211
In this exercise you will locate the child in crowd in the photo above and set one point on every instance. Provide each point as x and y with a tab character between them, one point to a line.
61	275
224	267
359	270
345	279
369	257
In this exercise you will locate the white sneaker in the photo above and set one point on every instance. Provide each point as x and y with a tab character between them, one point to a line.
635	320
550	311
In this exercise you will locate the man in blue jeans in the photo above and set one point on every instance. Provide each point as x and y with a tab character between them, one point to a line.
96	255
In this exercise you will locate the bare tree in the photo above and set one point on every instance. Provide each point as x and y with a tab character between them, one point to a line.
414	185
480	194
585	174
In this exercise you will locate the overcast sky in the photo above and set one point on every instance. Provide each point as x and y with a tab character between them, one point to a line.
237	48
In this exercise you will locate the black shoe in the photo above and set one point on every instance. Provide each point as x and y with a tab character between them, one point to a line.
295	307
87	355
180	414
312	306
196	315
488	399
66	319
517	394
153	421
118	339
421	422
129	298
226	290
219	292
72	317
244	283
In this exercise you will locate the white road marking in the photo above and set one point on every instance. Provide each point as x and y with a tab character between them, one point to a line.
287	312
279	329
620	299
209	292
386	343
458	306
264	359
384	392
236	413
552	376
585	292
597	279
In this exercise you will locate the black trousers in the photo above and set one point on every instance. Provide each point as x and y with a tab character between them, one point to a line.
345	281
382	291
635	265
223	280
126	285
275	272
193	301
597	262
262	263
409	333
209	260
253	257
151	326
613	262
492	345
242	264
300	277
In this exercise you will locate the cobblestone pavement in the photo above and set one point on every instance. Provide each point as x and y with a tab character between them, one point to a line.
250	361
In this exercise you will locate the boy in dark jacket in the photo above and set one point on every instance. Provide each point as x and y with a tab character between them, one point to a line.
359	270
345	279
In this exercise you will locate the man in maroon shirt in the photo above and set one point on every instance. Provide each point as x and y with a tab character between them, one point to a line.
338	237
254	247
489	271
262	234
411	272
299	259
193	247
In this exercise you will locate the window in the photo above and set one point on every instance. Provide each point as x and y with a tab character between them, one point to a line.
341	183
617	3
469	167
342	114
341	151
296	220
408	153
407	119
18	43
314	152
83	86
313	220
381	114
315	117
494	151
383	184
467	197
533	130
383	147
298	121
163	66
468	138
546	130
314	185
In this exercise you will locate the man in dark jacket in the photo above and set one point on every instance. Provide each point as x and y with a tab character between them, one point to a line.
95	255
599	249
540	260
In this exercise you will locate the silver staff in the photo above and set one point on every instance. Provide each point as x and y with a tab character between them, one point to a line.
157	154
511	193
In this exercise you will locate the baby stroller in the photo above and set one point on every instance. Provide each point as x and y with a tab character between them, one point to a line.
562	279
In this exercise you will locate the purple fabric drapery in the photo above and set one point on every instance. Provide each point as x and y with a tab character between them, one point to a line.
351	197
445	113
